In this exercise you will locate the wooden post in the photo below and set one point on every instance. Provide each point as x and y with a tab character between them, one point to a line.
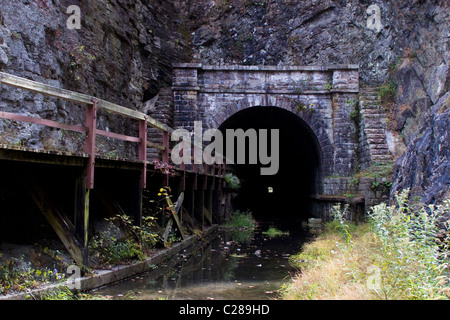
89	143
137	192
209	204
199	204
143	151
81	218
189	196
165	154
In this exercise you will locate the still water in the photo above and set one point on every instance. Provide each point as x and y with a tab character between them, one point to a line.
233	266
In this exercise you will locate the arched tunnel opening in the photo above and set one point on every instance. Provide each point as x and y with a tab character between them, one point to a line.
286	194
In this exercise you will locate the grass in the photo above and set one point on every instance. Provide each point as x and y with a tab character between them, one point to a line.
387	92
395	255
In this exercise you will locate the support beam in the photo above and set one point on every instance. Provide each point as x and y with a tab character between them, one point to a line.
143	151
89	143
137	192
81	218
62	226
174	208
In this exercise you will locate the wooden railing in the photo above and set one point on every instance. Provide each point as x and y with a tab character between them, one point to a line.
90	129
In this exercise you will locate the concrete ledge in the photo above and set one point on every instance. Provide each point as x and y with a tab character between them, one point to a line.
101	278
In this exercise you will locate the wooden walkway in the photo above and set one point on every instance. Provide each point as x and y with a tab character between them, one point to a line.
75	235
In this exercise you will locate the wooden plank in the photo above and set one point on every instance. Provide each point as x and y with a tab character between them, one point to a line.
156	124
45	122
89	143
46	89
175	216
117	136
59	222
115	108
81	217
68	95
179	202
155	146
166	232
142	154
207	215
186	216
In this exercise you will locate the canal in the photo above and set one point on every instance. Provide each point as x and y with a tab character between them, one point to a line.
234	265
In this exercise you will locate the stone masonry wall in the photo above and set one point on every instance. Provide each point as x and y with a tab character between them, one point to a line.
321	96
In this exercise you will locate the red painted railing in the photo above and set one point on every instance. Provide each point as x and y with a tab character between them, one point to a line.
90	128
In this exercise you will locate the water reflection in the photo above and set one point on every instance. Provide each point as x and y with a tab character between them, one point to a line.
235	265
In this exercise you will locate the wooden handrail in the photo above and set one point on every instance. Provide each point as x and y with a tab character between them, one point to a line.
90	101
77	97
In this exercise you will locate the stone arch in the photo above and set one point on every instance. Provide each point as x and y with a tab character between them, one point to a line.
312	119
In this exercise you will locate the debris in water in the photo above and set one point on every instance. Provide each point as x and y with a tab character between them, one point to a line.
259	265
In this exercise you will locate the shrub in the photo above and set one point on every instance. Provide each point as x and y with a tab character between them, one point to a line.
233	182
387	92
240	220
110	249
396	255
412	264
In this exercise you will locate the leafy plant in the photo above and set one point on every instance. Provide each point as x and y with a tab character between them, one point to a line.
232	181
387	92
17	275
240	220
409	255
112	249
339	216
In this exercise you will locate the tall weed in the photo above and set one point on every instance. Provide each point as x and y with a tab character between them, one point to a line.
412	263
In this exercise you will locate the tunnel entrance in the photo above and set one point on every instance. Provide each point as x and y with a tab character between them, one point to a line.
287	194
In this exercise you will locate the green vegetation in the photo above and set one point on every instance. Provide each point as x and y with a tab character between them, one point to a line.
16	275
273	232
63	293
395	255
240	220
111	249
387	92
232	181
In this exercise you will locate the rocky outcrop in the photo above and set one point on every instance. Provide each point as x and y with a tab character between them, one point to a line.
122	53
125	49
424	167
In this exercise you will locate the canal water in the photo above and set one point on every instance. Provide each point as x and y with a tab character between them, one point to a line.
235	265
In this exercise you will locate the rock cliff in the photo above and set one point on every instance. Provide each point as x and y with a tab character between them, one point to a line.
124	52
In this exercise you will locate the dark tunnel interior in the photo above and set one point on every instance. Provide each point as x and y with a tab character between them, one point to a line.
287	193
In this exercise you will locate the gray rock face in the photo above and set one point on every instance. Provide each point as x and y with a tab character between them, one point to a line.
125	49
324	32
123	53
424	167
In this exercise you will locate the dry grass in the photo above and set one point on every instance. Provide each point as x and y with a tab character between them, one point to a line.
336	266
332	269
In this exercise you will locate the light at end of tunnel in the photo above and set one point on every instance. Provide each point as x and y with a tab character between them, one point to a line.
270	190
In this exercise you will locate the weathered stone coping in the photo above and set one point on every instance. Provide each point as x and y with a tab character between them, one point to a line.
265	67
101	278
